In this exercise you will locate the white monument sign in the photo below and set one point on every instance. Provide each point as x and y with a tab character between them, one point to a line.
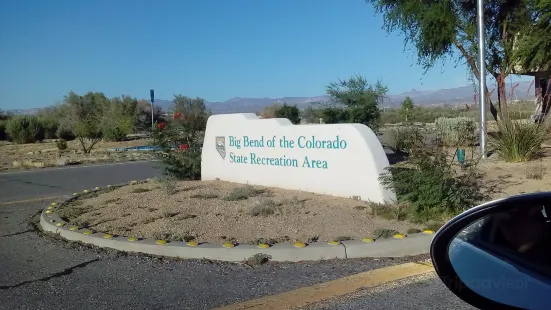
334	159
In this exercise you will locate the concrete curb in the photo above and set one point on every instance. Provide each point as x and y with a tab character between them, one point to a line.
399	246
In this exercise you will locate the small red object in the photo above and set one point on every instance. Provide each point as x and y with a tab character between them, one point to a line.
161	125
177	115
184	146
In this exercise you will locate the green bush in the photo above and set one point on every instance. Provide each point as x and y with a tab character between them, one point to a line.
25	129
517	141
405	139
114	133
3	133
457	131
65	132
432	187
50	127
61	144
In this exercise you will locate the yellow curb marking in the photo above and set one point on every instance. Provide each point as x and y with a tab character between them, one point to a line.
399	236
48	211
107	236
263	245
229	245
73	228
367	240
192	243
161	242
316	293
333	242
132	239
299	244
59	224
27	200
88	232
428	231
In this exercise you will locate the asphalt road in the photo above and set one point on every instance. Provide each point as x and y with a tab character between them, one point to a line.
423	292
40	272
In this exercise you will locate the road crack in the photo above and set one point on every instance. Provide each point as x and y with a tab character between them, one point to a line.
18	233
62	273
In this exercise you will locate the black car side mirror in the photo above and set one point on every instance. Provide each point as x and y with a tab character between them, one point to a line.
498	255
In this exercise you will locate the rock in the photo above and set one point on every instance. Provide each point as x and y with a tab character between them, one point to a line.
39	164
16	164
30	153
63	161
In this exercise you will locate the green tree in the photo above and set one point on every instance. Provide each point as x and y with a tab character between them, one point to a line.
289	112
120	116
334	115
406	109
312	114
269	111
143	120
85	117
447	29
360	99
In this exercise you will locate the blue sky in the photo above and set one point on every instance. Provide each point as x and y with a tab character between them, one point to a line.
214	49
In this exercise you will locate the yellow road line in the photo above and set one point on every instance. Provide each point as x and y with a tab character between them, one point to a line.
13	202
313	294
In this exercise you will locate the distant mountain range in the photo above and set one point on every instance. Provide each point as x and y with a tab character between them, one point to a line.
450	96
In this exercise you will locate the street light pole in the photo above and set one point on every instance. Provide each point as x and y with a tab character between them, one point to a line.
482	76
152	96
152	121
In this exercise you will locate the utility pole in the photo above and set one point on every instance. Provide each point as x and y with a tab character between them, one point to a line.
152	95
482	77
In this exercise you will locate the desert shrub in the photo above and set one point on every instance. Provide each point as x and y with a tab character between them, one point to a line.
61	144
242	193
432	186
517	141
114	133
264	207
456	131
3	133
181	139
405	139
25	129
65	132
50	127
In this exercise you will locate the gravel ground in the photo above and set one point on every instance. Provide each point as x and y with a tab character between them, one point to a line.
46	154
216	211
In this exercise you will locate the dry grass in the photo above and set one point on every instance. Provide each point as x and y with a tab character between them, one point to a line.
46	154
217	211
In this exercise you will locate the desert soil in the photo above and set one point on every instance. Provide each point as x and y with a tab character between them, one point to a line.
206	211
46	154
212	211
